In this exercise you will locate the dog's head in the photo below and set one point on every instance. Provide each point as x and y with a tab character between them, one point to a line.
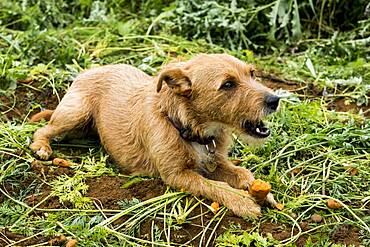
222	89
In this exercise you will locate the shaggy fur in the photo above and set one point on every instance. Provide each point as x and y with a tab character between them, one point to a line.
133	114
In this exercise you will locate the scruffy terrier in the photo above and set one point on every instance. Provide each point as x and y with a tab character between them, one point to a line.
177	125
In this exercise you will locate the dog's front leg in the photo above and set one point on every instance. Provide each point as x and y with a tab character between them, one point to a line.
238	201
237	177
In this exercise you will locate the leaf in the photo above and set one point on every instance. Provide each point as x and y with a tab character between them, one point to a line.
312	7
284	13
125	28
296	23
310	67
274	14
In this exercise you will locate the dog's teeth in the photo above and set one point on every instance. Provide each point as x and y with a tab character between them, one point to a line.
258	130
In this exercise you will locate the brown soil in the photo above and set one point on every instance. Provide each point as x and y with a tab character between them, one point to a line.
25	97
6	236
341	106
347	235
282	232
280	85
107	191
189	230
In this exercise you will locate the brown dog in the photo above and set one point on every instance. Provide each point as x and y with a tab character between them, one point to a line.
139	118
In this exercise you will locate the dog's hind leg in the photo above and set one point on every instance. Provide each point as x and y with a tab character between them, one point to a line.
73	111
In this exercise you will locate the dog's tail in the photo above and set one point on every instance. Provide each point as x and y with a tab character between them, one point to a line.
46	115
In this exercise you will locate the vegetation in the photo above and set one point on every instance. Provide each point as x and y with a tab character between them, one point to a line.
314	53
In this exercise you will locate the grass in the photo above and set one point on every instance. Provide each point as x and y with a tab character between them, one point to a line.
315	153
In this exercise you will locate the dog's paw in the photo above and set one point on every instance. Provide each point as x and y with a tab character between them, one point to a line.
41	149
244	206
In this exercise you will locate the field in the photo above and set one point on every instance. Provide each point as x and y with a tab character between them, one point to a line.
319	149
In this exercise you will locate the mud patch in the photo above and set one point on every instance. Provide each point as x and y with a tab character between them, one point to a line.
281	232
108	190
17	107
347	235
7	237
191	232
342	106
281	85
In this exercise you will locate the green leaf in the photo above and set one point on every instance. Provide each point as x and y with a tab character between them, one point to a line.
296	23
310	67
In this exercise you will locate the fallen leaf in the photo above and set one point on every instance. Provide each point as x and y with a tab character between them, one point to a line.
352	171
295	171
27	80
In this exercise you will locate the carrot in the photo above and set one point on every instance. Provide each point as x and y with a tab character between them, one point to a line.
215	206
279	206
61	162
333	204
259	189
58	240
72	243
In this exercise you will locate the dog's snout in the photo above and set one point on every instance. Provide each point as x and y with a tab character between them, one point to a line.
272	101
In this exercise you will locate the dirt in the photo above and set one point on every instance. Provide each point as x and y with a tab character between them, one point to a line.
341	106
108	190
347	235
281	232
189	231
6	236
24	99
280	85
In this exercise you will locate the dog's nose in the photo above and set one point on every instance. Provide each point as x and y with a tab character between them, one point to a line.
272	101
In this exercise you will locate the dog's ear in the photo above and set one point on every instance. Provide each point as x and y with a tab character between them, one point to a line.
176	80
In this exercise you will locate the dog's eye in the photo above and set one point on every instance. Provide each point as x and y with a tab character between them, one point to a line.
228	85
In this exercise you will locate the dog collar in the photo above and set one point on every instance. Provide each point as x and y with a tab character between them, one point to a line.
187	134
210	144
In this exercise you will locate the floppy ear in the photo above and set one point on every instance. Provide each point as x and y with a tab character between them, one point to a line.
176	80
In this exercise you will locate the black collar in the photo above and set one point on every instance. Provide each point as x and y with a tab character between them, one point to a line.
187	133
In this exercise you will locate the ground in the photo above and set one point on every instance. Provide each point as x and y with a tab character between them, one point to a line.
107	191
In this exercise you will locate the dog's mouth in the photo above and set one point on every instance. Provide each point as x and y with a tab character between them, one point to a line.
258	129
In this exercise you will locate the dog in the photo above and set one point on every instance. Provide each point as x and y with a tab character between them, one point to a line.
177	125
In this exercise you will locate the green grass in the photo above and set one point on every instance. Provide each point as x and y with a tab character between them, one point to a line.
307	160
